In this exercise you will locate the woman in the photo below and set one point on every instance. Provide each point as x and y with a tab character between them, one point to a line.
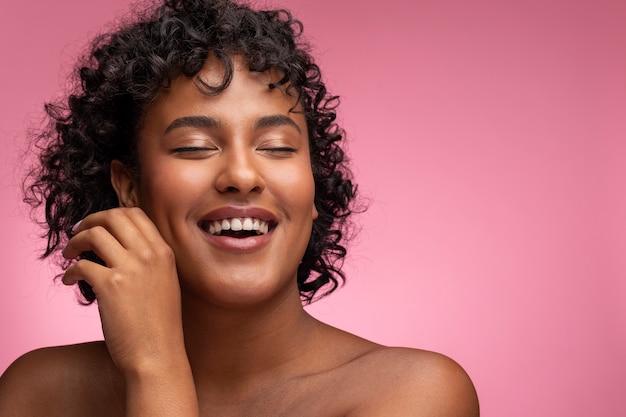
195	186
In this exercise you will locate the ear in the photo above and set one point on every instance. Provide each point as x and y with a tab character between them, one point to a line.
314	212
124	183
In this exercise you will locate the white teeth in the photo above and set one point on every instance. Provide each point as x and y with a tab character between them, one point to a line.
237	224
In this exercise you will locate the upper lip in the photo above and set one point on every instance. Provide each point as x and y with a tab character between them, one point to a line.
229	212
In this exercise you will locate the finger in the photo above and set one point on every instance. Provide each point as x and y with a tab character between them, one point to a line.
115	221
147	227
84	270
98	240
130	226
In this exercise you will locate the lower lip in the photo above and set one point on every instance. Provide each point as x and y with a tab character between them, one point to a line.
233	244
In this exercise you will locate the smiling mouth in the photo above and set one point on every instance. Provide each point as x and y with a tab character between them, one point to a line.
240	227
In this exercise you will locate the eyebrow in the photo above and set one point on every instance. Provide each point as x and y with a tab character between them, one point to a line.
276	120
193	121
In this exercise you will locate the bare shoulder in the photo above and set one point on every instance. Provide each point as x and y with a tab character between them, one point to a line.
412	382
59	381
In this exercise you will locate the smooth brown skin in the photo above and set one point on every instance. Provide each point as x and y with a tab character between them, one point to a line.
196	330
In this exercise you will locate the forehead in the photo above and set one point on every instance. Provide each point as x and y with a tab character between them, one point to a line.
248	97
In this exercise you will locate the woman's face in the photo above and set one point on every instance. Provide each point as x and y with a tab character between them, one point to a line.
239	161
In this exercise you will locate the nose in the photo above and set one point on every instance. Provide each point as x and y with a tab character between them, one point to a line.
239	173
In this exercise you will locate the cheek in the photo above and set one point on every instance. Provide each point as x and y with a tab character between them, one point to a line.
166	185
297	189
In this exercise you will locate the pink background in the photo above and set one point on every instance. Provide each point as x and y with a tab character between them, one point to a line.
490	139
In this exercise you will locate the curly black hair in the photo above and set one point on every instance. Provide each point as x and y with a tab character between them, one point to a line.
125	70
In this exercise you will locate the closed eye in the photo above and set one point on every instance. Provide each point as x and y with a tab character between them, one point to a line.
278	151
193	151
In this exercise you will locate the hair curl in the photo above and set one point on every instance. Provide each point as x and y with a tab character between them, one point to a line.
124	72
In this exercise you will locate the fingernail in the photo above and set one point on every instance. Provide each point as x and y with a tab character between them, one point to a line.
75	227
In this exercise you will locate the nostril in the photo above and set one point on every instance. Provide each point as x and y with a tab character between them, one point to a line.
234	189
239	177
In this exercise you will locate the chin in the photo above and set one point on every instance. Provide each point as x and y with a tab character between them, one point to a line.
239	291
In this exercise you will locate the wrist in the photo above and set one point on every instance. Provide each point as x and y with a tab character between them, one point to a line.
163	388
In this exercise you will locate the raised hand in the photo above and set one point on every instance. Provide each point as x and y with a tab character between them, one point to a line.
138	296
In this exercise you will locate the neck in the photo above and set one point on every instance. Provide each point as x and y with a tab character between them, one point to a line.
228	346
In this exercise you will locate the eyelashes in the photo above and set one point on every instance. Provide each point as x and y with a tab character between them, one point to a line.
193	152
185	149
199	149
279	149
